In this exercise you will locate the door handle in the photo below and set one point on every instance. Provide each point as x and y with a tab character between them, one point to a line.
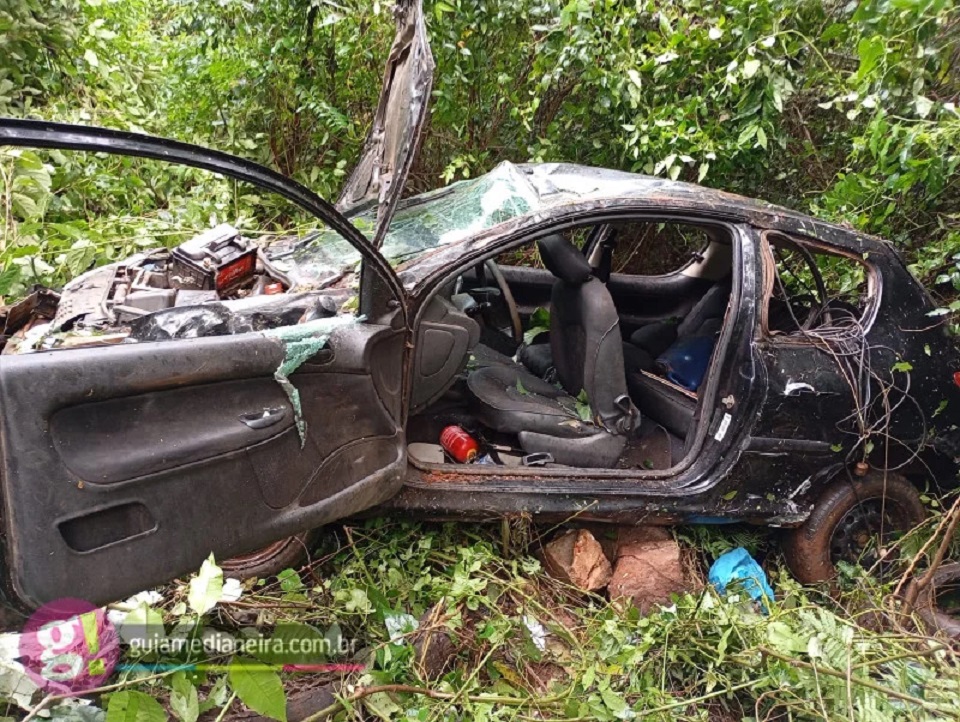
264	418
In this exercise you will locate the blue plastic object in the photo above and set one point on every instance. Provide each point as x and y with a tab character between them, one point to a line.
738	566
686	361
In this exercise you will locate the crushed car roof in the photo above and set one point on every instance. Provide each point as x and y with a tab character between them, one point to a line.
435	229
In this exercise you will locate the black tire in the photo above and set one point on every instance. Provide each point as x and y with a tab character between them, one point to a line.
846	516
288	553
934	618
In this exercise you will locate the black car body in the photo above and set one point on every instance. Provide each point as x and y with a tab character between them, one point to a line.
222	427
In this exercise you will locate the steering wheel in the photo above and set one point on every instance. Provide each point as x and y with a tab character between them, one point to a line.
502	291
823	308
516	326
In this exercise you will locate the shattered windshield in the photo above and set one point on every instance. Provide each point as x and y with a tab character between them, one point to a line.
429	221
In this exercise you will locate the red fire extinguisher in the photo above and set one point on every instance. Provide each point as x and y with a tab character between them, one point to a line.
459	444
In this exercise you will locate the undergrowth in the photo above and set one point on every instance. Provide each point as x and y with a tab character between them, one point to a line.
515	644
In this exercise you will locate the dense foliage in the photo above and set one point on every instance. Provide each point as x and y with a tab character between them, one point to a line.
845	110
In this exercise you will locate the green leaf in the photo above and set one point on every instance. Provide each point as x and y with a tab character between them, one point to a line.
761	138
184	702
130	706
217	697
870	51
614	702
295	643
539	324
521	390
381	706
783	639
25	206
143	627
903	366
531	333
91	58
356	601
923	105
80	256
746	134
750	68
290	581
334	642
30	169
9	276
206	587
583	407
540	317
665	26
258	688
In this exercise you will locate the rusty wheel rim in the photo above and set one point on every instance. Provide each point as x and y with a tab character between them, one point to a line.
257	556
865	529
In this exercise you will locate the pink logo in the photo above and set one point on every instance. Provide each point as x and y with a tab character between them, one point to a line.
69	646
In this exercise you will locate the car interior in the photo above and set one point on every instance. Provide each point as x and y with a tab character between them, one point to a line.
585	349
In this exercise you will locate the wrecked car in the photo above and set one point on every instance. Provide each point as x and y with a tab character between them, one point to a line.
546	339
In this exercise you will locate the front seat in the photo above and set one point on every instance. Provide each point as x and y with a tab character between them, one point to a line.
588	356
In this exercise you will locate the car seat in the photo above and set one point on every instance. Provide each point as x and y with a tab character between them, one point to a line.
587	353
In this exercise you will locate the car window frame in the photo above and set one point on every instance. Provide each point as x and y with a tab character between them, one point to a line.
768	263
589	247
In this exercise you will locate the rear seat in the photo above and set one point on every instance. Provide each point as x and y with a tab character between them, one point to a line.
706	316
658	398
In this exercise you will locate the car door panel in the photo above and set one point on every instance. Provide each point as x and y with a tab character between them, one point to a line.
796	391
126	467
102	442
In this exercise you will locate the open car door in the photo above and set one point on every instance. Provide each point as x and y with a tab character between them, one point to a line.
392	142
124	466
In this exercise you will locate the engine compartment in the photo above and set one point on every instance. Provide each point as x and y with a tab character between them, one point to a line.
218	282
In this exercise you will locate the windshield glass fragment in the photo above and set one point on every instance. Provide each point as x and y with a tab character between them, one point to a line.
424	223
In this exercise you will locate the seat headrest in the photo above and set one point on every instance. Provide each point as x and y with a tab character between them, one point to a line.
564	260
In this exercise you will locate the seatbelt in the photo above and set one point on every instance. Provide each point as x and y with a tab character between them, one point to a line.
629	417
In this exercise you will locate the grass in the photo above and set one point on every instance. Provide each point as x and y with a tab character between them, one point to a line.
461	622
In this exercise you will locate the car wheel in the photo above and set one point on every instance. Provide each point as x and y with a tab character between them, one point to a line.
288	553
847	518
929	605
